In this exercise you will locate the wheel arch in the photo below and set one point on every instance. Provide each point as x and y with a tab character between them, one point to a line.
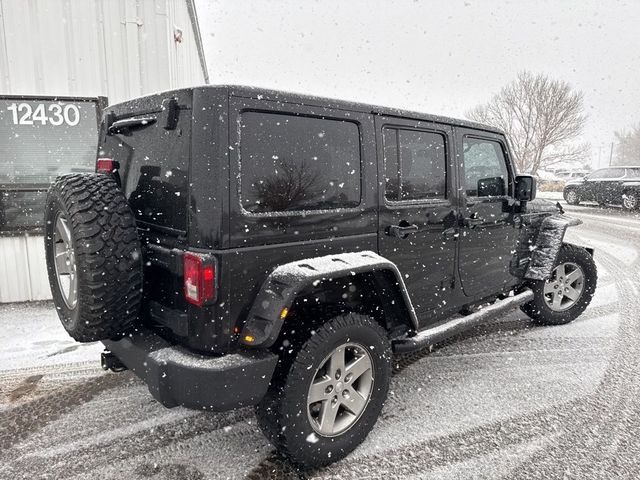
547	244
360	281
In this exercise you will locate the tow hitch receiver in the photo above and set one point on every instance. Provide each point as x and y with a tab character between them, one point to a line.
111	362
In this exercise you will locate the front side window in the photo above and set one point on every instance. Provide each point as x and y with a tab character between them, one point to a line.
415	165
485	168
607	174
296	163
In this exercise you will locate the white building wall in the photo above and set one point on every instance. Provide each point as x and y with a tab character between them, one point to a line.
115	48
23	274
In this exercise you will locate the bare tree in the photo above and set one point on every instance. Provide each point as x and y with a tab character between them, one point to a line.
542	117
290	187
628	146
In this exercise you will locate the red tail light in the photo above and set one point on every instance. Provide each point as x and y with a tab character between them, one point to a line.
105	165
199	278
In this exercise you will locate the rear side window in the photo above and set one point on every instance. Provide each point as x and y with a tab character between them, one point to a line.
295	163
485	168
615	173
607	173
415	165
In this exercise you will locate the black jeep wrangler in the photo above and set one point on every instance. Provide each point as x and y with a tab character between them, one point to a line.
246	247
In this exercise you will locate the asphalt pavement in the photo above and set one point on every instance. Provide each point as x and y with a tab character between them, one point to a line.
506	400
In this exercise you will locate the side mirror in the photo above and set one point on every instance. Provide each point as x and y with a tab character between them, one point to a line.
525	188
491	187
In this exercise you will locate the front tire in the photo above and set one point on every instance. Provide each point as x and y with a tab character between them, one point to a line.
327	395
566	294
630	201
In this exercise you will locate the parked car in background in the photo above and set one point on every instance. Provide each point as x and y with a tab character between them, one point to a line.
568	175
614	185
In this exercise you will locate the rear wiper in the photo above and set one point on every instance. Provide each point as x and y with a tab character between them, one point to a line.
130	124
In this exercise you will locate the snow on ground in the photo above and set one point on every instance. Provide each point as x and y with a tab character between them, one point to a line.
32	336
506	400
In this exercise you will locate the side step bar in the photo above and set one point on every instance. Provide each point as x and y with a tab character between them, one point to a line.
437	334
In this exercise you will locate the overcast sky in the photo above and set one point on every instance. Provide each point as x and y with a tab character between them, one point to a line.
433	56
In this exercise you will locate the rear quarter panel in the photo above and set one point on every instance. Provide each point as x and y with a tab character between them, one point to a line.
260	242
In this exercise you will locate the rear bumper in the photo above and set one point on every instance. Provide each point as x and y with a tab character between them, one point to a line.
177	377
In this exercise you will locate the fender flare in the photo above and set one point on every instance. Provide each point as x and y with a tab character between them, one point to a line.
547	245
279	290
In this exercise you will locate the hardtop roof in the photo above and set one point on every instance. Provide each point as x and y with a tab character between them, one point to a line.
302	99
318	101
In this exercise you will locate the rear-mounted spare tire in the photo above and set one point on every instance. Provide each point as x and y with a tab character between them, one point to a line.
93	256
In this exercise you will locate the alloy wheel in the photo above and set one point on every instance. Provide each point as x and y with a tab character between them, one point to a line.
65	263
340	390
564	288
629	201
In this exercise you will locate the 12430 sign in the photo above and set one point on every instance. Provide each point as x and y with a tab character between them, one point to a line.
53	114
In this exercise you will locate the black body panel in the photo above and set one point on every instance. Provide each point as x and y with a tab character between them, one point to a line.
460	251
177	377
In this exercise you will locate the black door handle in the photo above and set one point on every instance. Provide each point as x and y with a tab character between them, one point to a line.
450	233
472	222
401	231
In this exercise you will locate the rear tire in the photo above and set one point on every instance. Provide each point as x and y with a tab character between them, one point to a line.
572	197
292	417
93	256
567	293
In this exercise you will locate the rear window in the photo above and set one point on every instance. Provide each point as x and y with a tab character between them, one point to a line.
154	172
294	163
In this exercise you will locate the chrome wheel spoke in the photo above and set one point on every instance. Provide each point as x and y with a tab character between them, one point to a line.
63	229
572	294
560	271
357	368
355	404
550	287
328	415
318	391
64	261
574	276
336	363
73	293
557	301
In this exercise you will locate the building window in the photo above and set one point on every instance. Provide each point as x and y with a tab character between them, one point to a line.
295	163
41	139
417	169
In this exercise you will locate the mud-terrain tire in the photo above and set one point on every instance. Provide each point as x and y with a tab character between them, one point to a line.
286	415
91	231
574	271
572	197
630	201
